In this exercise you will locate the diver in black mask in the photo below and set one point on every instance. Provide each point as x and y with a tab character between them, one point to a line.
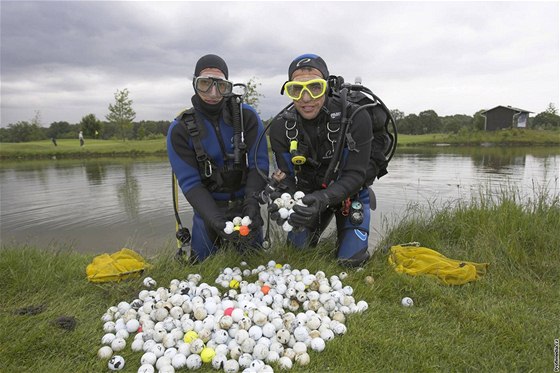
211	148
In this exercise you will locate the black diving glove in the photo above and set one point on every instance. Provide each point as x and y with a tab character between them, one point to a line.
252	209
273	212
309	215
218	226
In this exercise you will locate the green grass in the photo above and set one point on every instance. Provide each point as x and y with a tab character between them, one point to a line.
514	137
92	148
506	321
103	148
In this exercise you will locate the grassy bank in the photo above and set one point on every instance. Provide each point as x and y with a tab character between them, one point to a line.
92	148
116	148
506	321
513	137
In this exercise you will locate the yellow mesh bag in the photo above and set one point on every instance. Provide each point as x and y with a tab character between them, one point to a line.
116	267
415	260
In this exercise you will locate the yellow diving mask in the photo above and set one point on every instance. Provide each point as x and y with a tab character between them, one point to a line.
315	87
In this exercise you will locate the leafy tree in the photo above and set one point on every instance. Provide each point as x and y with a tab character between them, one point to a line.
121	113
24	131
397	114
479	120
90	124
454	123
547	119
252	96
58	129
410	125
429	122
551	109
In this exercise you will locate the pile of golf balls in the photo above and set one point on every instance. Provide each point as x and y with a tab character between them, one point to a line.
276	319
238	224
285	204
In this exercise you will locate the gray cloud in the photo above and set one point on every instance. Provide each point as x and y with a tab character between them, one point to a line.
67	59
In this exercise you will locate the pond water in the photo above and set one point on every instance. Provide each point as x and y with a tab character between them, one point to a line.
102	205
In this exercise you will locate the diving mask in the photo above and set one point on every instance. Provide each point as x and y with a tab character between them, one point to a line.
315	87
204	84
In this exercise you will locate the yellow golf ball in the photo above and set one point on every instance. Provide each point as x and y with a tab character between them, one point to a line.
234	284
207	354
190	336
278	265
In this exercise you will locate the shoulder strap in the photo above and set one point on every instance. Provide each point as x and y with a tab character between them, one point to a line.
189	118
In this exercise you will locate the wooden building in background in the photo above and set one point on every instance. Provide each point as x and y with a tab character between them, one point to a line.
505	117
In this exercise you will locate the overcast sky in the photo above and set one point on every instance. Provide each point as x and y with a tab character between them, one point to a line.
67	59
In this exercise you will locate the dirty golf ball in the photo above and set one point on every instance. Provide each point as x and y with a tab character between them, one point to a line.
407	302
149	282
116	363
105	352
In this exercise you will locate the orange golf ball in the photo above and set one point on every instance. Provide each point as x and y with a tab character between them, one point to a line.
265	289
243	230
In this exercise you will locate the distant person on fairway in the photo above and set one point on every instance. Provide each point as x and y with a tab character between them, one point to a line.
81	138
211	148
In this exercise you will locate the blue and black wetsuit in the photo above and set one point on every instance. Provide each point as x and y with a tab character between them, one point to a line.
315	140
220	196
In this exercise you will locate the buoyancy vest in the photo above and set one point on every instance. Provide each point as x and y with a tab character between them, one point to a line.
316	142
232	175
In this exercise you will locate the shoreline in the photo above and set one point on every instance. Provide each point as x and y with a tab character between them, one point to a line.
69	148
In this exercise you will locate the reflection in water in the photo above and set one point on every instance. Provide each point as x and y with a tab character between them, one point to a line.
101	205
129	192
95	172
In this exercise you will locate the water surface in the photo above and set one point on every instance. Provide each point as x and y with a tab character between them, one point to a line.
101	205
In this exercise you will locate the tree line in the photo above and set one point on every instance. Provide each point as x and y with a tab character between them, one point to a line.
120	124
429	121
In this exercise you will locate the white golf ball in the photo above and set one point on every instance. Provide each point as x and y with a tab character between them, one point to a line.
299	195
231	366
118	344
148	358
285	363
228	230
237	220
286	196
108	338
116	363
283	213
279	202
218	361
149	282
289	204
132	326
317	344
105	352
407	302
146	368
194	362
246	221
287	227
